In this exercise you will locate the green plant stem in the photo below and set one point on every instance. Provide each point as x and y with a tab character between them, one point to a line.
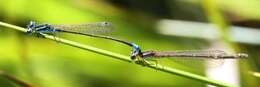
15	80
126	58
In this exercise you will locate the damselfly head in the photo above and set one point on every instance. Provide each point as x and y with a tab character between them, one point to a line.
31	26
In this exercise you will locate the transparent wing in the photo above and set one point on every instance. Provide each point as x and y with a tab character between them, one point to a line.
87	28
198	62
204	54
194	57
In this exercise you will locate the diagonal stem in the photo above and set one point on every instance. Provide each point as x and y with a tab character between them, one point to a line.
15	80
158	67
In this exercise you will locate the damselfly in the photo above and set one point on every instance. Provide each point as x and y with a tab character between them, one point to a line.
87	29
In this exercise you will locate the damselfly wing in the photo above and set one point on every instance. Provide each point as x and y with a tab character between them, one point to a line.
194	57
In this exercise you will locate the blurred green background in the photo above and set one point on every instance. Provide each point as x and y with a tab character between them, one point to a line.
46	63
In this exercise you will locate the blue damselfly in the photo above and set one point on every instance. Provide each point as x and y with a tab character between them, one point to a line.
87	29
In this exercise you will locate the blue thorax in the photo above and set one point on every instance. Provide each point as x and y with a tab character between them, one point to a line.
32	27
136	51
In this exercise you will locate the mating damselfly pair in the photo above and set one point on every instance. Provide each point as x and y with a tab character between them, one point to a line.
93	29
